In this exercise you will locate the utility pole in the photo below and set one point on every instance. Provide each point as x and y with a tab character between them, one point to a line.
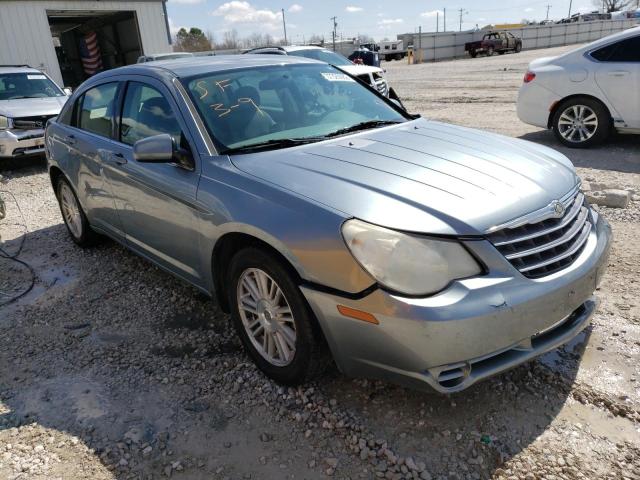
437	21
548	7
570	4
444	21
333	33
462	12
284	27
419	44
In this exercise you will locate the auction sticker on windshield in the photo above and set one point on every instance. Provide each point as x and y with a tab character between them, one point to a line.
337	77
36	77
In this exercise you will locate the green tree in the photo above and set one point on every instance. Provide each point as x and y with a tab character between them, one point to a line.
193	40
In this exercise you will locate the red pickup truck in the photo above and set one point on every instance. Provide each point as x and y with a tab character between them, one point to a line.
492	42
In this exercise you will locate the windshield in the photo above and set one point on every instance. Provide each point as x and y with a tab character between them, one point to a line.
326	56
27	85
266	104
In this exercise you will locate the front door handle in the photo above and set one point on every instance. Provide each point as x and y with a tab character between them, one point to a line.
118	158
111	157
618	73
69	140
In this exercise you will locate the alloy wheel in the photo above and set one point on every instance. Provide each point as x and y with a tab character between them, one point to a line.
70	210
267	317
578	123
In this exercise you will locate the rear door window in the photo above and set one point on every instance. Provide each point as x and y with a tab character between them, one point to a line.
97	108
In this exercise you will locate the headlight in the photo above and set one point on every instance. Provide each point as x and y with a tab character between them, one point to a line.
4	123
408	264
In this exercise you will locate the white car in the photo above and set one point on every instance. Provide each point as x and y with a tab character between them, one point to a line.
373	76
584	94
28	98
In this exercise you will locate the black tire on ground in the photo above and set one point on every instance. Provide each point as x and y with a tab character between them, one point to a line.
490	52
501	52
473	53
518	48
602	114
87	236
311	357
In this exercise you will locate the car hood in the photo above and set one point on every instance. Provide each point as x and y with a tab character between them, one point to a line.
359	69
30	107
421	176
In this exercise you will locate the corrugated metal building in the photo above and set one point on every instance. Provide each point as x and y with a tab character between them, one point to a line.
59	36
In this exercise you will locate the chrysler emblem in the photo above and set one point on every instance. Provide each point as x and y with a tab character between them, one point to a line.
557	208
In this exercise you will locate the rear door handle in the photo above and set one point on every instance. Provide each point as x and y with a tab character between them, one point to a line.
69	140
618	73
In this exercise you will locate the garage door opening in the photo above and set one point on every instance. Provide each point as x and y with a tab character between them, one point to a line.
88	42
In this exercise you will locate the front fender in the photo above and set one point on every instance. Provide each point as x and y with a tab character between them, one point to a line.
304	232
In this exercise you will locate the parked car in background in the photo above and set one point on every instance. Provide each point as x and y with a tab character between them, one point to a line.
28	98
320	214
494	42
373	76
586	93
163	56
364	56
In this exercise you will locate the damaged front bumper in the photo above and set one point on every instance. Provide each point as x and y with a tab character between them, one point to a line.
476	328
18	143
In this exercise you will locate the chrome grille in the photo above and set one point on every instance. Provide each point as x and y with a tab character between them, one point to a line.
541	248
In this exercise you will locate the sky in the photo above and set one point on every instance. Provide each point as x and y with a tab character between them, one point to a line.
375	18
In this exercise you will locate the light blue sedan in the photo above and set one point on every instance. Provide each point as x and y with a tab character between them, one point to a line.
328	221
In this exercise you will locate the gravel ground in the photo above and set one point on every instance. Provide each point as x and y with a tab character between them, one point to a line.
112	369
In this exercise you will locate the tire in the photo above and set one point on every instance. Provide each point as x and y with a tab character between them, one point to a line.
74	217
490	52
473	53
518	48
581	122
501	52
296	331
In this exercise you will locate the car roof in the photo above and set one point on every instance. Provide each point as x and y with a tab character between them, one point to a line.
188	66
18	69
630	32
287	48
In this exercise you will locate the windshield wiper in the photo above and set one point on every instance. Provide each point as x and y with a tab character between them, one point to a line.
272	145
363	126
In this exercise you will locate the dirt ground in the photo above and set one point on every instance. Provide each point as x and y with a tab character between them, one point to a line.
112	369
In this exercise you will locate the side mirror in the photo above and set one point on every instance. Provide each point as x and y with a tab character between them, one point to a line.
162	149
67	90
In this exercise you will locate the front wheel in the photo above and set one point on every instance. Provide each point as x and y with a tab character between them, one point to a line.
271	317
518	48
581	123
473	53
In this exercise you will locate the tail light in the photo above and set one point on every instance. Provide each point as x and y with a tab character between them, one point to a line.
529	76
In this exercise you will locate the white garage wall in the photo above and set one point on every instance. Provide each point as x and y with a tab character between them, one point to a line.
25	36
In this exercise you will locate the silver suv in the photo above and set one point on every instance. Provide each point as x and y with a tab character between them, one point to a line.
28	98
320	213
